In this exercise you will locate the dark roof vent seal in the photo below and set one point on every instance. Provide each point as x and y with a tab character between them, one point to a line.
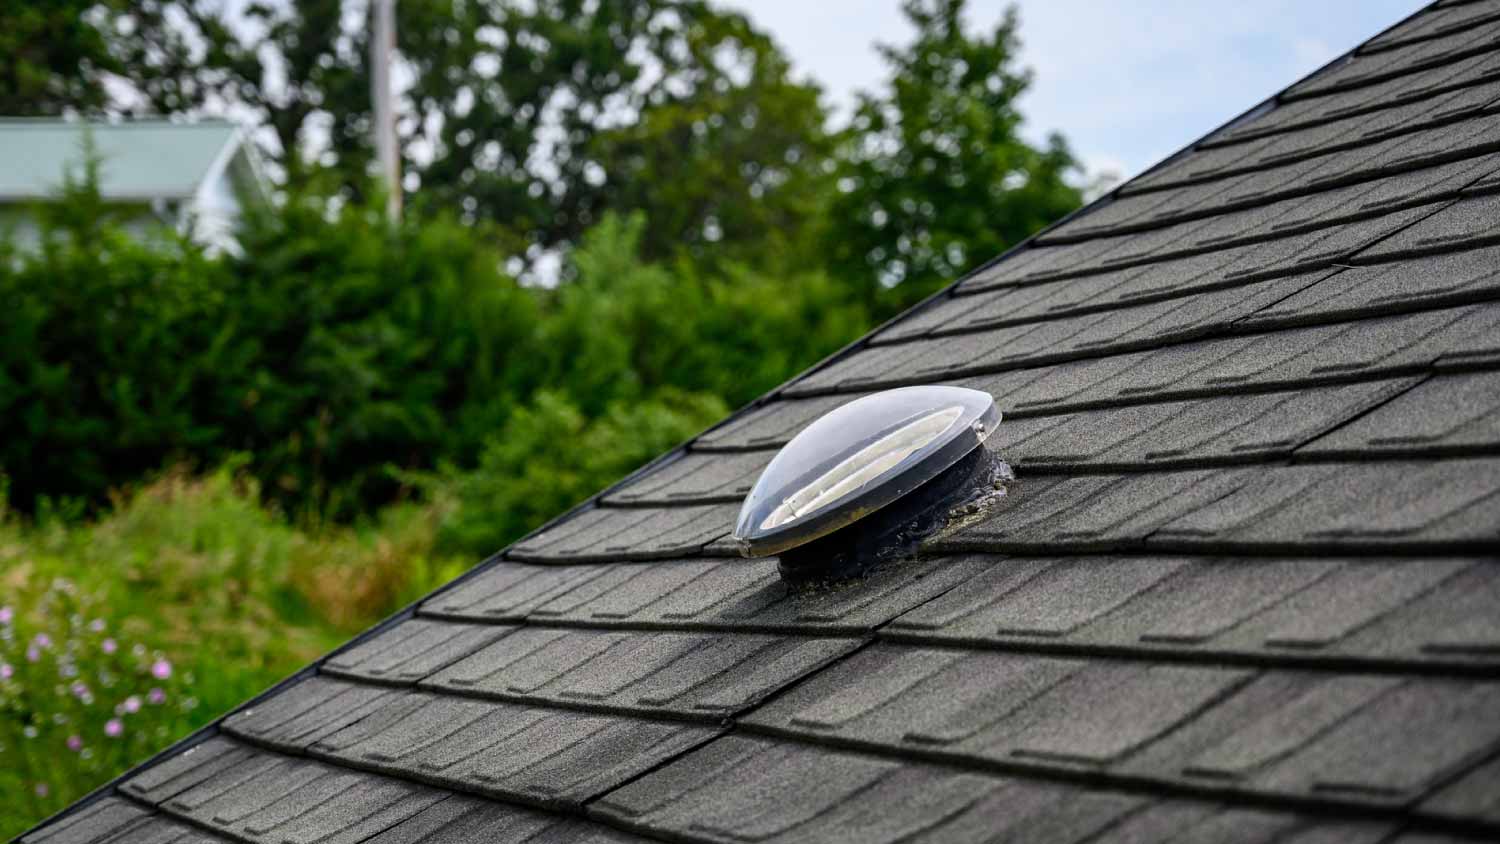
896	462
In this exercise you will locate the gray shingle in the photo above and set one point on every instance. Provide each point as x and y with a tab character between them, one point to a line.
698	478
306	711
296	801
1475	794
1446	279
1449	413
1093	511
611	533
1448	503
1272	732
749	595
1433	23
507	591
186	769
1225	428
1373	67
1422	612
94	823
693	675
770	425
467	820
547	757
1421	504
1462	225
412	650
739	789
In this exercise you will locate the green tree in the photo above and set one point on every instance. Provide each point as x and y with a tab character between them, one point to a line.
57	57
539	115
934	176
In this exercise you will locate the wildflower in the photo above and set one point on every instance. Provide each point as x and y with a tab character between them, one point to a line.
97	625
132	704
108	646
156	697
42	640
80	690
42	790
32	654
161	669
6	615
113	728
75	743
6	671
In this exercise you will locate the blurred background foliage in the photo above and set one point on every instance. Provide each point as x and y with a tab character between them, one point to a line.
625	218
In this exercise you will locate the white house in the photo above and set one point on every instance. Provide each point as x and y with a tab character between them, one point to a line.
195	177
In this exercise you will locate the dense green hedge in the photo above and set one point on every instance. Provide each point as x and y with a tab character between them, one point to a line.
339	348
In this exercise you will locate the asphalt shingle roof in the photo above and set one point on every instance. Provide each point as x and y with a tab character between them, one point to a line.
1246	588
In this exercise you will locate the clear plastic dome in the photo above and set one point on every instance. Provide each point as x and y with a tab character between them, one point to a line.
858	458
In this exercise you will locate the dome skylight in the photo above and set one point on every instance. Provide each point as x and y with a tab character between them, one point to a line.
858	458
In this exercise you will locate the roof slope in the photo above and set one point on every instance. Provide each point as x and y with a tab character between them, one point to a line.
140	160
1246	589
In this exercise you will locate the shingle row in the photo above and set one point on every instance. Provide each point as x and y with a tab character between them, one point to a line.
263	798
1466	134
1267	353
1364	68
1434	23
654	673
1033	375
684	674
1422	505
607	533
1310	735
740	789
118	821
1063	277
718	594
1414	85
1428	613
547	757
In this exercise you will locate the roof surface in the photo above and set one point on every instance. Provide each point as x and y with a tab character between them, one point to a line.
1245	590
141	160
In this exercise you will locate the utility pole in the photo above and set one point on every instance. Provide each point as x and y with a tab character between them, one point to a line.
382	44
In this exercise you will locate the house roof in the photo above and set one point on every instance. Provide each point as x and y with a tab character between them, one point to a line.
140	160
1245	589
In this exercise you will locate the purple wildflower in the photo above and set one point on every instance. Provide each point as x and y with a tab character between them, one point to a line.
75	743
32	654
97	625
42	640
42	790
108	646
156	697
6	615
132	704
6	671
113	728
80	690
161	669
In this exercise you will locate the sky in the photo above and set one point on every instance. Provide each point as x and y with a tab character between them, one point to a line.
1126	83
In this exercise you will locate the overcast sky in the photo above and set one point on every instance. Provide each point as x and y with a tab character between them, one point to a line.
1127	83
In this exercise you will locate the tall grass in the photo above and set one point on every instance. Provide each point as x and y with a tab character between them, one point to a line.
120	635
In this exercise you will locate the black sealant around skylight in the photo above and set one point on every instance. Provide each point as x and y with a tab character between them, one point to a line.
859	459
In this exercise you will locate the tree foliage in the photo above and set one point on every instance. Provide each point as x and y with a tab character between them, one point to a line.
541	116
57	57
935	177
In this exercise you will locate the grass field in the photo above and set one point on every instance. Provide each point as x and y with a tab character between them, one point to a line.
122	634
